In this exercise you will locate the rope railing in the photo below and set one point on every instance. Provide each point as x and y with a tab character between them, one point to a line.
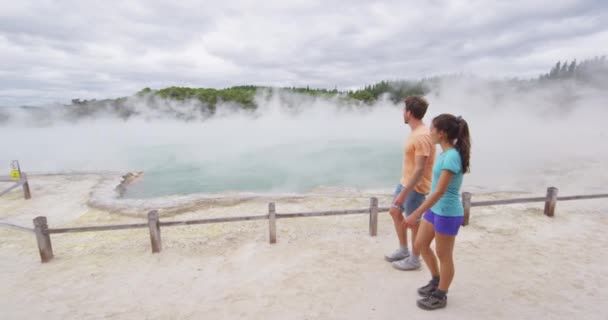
43	232
16	227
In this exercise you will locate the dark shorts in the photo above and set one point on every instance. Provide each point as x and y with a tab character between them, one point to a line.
411	203
444	225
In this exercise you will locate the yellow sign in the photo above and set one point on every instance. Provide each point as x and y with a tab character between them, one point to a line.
15	174
15	170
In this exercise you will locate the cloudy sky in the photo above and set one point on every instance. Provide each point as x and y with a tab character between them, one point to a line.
53	51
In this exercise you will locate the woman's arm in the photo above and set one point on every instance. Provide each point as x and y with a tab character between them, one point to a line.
442	186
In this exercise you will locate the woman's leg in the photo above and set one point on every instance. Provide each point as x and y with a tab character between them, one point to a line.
446	229
426	233
444	245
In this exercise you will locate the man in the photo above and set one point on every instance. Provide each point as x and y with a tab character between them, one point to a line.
415	184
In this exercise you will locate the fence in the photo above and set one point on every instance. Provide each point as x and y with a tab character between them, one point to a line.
43	232
19	179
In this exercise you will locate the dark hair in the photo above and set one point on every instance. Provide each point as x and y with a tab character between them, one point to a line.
417	106
457	129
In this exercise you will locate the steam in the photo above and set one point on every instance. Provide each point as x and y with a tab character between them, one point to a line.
525	138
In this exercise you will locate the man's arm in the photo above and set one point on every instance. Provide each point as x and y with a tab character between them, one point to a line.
420	164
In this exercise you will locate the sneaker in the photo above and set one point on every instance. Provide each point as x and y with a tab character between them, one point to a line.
428	289
397	255
432	302
407	264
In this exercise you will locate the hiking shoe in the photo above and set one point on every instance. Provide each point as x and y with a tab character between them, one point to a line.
399	254
428	289
432	302
407	264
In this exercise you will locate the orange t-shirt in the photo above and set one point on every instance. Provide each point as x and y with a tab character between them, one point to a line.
418	143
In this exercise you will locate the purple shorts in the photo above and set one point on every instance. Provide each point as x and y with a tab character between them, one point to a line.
444	225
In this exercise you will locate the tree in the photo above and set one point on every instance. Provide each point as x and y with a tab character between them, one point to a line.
572	68
555	71
563	72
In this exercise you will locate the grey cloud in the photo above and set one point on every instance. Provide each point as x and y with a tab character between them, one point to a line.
56	51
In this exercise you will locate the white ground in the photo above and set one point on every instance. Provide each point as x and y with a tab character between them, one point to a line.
511	263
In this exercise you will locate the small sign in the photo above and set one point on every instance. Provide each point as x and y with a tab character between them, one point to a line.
15	170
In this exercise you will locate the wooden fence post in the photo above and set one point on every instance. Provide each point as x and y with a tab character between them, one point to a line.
373	217
154	226
550	201
466	204
26	187
43	237
272	223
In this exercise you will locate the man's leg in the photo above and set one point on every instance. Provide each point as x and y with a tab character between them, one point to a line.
402	252
397	216
413	201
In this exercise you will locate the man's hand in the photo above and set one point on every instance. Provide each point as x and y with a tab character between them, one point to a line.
410	221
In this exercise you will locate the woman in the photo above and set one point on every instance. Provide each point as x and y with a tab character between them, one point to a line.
443	211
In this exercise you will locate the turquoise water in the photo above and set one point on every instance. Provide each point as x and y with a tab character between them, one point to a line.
277	169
